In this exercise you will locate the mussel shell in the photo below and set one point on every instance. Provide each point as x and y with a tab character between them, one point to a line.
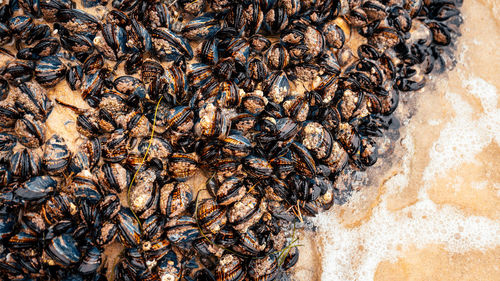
115	148
246	212
277	86
230	267
128	228
85	187
237	145
7	143
106	233
304	162
63	250
36	188
175	198
152	227
78	21
150	70
56	155
87	156
32	99
231	190
211	215
182	165
30	132
18	71
257	166
157	249
143	192
7	223
265	268
277	57
169	46
202	27
91	261
20	26
182	230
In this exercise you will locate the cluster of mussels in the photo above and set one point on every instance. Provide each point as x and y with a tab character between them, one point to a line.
271	100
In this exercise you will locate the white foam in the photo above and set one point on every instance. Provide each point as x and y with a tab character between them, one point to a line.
469	132
388	233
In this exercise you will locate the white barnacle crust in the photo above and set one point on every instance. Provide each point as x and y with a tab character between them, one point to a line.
312	135
206	124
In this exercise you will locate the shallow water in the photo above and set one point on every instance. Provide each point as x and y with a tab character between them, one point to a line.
434	212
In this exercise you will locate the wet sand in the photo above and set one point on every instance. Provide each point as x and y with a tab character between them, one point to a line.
434	212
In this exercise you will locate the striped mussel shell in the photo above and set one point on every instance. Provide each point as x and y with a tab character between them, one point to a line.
63	250
156	249
257	166
180	119
296	107
173	84
229	95
183	165
212	123
317	139
87	156
32	99
56	155
78	21
277	86
150	70
106	233
128	228
169	46
114	177
249	244
211	215
152	227
209	53
25	163
18	71
20	26
231	190
236	145
30	132
277	57
36	188
304	161
169	267
7	143
158	149
202	27
91	261
239	49
246	212
109	206
58	206
49	71
175	198
230	268
282	166
143	193
182	230
24	238
158	15
199	74
115	147
84	186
